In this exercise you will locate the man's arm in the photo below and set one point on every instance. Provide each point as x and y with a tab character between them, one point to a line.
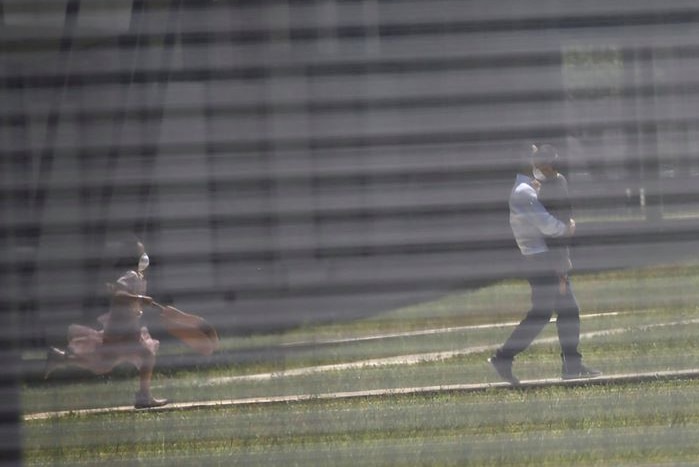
540	217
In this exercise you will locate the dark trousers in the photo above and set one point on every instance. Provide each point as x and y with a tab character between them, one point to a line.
546	299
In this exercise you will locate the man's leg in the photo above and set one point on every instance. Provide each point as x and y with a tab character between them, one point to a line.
543	292
544	289
568	325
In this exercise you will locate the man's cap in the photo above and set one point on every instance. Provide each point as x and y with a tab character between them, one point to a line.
544	154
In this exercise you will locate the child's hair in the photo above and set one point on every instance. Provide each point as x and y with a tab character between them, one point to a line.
125	253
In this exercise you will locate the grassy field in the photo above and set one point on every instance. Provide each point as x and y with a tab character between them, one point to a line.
636	321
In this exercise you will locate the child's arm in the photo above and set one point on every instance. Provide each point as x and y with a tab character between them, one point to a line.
122	295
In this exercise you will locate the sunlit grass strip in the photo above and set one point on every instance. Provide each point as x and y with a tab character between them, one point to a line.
655	348
642	348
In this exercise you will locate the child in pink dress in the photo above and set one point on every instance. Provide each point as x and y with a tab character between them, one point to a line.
123	339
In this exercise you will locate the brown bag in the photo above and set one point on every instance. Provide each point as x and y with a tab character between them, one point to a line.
194	331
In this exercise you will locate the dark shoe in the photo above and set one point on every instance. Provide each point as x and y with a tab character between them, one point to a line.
146	401
580	372
55	358
504	368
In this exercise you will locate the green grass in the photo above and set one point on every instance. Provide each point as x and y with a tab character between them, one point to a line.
596	424
623	424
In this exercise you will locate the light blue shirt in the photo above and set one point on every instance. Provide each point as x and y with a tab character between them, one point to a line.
531	223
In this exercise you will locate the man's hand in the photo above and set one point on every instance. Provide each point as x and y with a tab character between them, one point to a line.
570	228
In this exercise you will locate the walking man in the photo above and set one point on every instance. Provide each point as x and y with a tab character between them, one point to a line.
531	225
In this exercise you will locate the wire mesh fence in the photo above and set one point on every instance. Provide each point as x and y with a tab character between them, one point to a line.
287	162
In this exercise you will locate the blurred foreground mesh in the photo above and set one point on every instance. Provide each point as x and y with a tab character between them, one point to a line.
288	162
